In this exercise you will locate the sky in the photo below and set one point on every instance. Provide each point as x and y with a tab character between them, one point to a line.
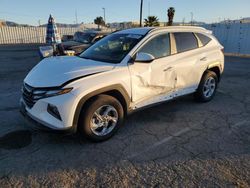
64	11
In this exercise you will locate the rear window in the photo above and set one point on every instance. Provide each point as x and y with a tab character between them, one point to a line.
185	42
204	39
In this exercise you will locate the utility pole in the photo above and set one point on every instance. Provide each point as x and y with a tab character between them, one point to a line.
141	13
76	17
192	17
149	13
104	14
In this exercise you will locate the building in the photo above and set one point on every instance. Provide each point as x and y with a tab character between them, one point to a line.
245	20
123	25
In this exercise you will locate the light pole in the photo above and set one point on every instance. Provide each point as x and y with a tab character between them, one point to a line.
141	13
104	14
149	9
76	16
192	17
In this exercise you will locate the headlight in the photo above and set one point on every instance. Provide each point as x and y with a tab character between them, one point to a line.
39	94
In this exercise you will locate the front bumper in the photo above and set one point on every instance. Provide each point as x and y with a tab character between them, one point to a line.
33	124
39	118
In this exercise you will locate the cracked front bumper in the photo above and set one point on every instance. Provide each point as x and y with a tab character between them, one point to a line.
39	118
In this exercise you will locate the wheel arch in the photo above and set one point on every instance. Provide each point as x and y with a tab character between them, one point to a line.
117	91
216	69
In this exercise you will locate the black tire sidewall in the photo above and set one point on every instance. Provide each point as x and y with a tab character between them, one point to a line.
199	95
87	113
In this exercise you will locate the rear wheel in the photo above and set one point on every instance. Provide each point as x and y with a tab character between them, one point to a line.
207	88
101	118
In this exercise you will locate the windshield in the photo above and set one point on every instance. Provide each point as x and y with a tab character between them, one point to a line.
84	37
113	48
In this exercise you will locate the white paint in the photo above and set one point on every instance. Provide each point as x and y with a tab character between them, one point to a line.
157	144
240	123
55	71
145	83
169	138
174	75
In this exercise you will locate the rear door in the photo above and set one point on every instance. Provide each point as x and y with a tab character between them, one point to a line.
187	62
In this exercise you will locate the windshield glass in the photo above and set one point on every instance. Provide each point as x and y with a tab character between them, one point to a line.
84	37
113	48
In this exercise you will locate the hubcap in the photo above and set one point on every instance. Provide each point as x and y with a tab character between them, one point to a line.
209	87
104	120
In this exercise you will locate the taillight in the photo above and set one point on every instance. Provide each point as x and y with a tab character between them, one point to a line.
222	50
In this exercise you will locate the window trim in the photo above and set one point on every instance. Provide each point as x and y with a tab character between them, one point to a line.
200	39
150	38
173	44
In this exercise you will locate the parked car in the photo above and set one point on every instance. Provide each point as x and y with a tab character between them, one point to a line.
82	40
66	38
125	71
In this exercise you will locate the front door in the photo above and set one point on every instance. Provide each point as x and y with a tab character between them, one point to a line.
155	78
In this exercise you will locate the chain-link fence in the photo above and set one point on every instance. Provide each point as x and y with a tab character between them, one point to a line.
235	37
23	35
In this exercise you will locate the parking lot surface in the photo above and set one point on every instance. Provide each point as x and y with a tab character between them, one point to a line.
180	143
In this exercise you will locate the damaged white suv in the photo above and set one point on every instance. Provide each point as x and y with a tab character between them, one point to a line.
121	73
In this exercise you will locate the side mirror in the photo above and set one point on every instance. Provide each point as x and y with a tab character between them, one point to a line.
144	57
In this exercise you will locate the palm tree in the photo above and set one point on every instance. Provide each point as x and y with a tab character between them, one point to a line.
171	12
99	21
151	21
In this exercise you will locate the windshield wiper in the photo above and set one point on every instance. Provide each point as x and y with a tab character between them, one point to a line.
85	57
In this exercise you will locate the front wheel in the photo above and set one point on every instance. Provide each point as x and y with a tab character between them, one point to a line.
101	118
207	88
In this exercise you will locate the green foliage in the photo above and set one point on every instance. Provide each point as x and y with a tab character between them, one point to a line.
99	21
171	12
151	21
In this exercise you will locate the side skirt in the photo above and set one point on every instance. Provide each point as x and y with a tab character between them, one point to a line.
161	99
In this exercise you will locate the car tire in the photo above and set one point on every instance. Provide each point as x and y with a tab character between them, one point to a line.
101	118
207	87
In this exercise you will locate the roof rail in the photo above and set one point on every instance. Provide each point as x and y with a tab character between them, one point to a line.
180	27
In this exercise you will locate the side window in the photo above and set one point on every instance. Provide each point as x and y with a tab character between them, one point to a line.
204	39
159	46
185	42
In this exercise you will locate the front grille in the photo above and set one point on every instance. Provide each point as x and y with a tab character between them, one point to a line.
28	95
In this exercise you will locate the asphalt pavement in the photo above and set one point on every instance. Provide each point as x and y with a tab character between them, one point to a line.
180	143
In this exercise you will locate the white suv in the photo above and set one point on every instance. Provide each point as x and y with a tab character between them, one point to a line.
123	72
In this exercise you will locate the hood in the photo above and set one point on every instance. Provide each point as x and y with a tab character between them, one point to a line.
76	46
79	49
71	43
56	71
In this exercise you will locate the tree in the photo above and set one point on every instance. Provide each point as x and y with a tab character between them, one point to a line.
171	12
151	21
99	21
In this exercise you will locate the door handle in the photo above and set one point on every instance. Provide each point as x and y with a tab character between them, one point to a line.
167	69
203	59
